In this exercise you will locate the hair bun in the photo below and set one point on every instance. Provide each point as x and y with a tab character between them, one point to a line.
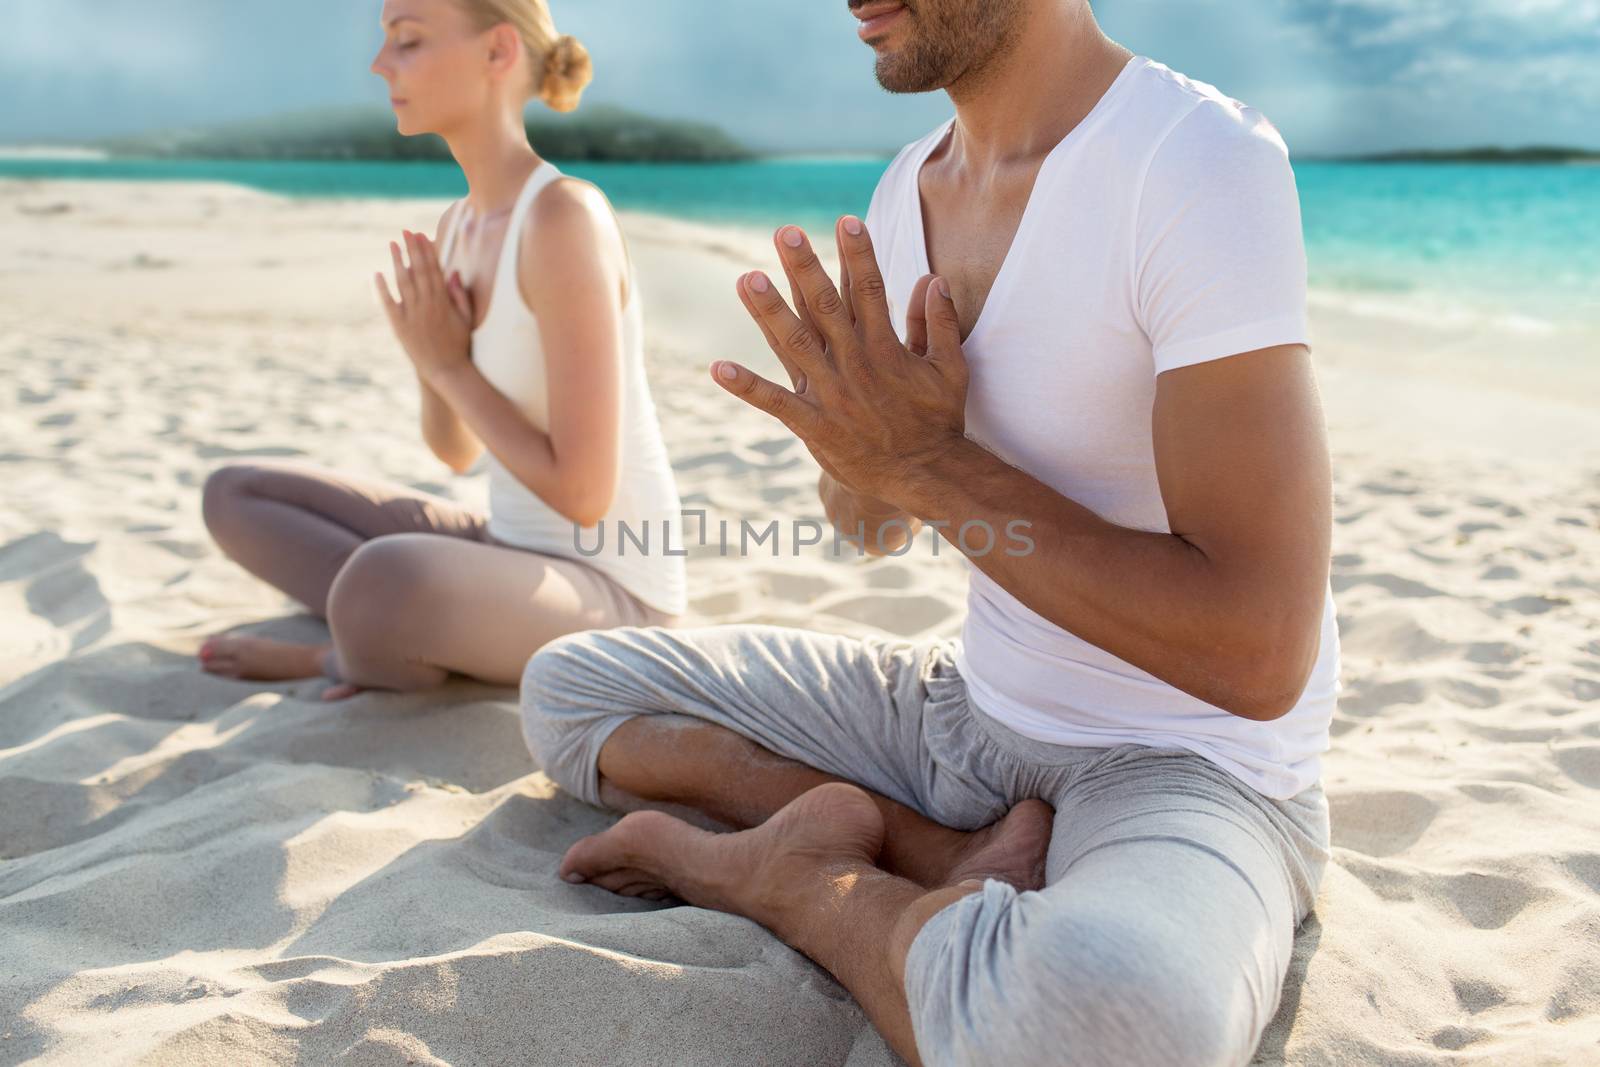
567	72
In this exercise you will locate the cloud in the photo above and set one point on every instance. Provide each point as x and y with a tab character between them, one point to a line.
53	39
1334	75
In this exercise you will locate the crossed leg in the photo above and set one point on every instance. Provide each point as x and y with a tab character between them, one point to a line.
411	585
640	716
809	874
1163	934
661	759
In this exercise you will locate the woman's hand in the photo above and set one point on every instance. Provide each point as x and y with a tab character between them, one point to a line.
433	317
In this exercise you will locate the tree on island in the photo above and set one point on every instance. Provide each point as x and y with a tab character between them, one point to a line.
1531	154
599	133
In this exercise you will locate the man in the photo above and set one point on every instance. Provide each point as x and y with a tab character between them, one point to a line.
1085	832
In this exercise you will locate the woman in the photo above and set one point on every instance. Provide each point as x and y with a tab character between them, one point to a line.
523	327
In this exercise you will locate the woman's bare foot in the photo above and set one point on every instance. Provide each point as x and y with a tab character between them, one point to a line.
261	659
828	831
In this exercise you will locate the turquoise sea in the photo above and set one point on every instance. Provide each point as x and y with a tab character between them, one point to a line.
1519	244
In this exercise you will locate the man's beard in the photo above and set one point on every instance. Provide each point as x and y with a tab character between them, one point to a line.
946	44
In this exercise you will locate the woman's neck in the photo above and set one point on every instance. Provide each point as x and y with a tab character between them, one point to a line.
496	158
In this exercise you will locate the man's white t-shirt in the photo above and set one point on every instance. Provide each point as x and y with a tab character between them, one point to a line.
1163	231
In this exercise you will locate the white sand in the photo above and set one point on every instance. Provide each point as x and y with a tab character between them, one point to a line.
199	871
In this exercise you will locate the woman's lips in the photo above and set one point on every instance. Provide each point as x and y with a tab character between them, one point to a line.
876	18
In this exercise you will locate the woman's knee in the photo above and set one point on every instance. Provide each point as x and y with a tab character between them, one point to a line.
385	585
225	488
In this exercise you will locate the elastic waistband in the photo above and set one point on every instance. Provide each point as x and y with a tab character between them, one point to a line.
943	671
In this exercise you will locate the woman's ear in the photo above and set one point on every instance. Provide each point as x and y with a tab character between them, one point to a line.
505	45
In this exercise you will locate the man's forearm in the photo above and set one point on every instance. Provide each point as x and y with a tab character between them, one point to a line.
1152	599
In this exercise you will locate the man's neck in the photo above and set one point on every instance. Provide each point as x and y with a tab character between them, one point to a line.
1045	81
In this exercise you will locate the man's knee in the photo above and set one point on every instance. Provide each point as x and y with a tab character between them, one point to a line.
1001	977
560	700
1154	1002
552	671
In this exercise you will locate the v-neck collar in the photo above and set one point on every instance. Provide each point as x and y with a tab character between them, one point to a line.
512	234
919	221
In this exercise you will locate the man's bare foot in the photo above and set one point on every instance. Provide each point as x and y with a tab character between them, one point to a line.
823	834
1011	850
261	659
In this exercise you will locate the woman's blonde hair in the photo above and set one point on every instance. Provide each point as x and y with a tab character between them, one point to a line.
561	65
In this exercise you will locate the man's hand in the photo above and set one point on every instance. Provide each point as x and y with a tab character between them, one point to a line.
882	528
871	410
433	317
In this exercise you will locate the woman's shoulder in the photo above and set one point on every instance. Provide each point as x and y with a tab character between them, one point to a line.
570	207
570	222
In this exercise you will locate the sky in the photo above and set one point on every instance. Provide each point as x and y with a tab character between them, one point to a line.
1335	76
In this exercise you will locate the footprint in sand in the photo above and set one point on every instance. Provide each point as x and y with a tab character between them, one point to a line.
1457	1037
1380	823
905	616
1365	699
1581	763
1476	994
1404	588
1487	901
891	576
1534	605
1585	867
795	588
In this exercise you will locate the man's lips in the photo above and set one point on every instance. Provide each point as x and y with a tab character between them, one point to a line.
876	16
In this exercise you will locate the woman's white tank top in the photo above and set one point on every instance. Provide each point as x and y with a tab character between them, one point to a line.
509	353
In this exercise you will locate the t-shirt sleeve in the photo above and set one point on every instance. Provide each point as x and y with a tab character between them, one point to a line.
1221	263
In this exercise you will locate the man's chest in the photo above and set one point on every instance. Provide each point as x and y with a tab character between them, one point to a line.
1060	378
968	234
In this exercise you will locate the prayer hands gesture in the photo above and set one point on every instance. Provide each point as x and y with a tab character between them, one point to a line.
870	409
433	317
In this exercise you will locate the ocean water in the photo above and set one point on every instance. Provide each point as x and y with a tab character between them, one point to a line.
1515	246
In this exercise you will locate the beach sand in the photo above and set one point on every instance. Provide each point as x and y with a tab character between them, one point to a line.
194	870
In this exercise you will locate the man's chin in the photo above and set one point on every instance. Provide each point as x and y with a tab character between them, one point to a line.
893	77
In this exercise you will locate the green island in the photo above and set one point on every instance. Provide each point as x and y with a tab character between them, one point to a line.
1486	154
599	133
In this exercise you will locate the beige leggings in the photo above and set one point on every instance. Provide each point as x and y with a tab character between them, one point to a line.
413	586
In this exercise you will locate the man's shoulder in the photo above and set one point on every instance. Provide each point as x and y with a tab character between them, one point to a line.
896	181
1196	122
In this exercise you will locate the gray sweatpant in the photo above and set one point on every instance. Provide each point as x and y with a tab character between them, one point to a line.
1165	929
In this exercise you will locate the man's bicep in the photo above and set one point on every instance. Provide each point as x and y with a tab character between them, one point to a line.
1242	460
